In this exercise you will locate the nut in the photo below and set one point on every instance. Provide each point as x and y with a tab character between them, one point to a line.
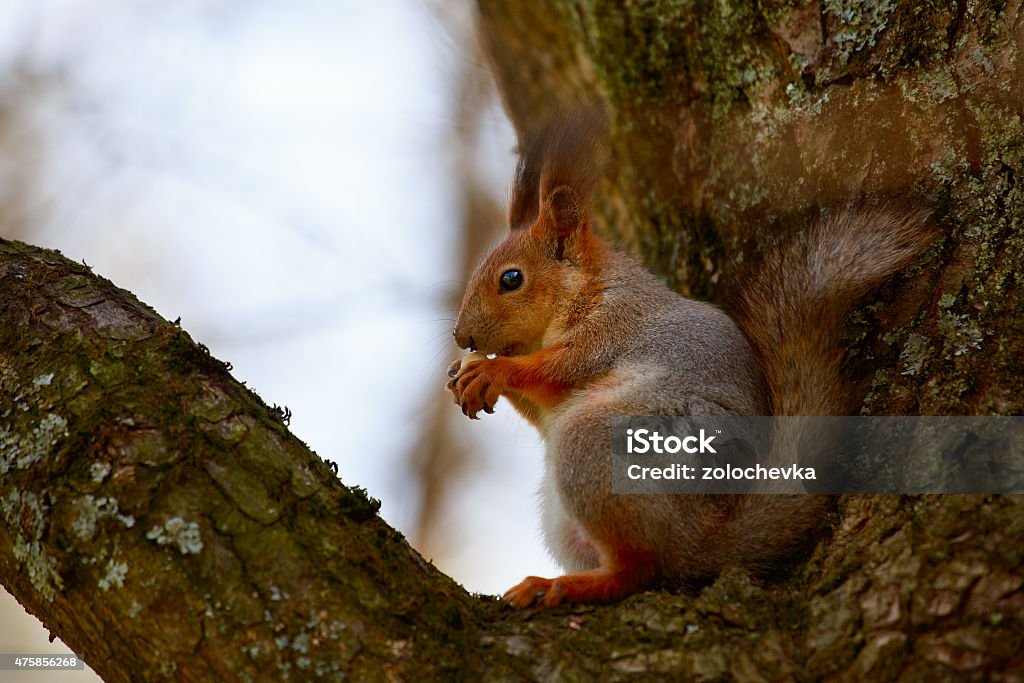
457	366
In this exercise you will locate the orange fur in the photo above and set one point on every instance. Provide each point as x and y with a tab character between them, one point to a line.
621	573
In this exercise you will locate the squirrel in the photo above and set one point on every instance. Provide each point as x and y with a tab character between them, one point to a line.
581	332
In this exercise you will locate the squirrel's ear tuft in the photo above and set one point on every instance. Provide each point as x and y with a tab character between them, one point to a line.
563	212
524	196
566	155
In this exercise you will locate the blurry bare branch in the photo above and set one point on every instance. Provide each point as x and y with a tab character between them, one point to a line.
21	148
438	457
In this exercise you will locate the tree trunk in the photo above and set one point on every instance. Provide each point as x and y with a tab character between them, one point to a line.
729	120
160	519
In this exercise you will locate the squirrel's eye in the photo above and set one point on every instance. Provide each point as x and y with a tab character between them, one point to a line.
511	279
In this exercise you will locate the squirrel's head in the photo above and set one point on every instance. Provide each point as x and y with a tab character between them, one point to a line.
527	289
532	285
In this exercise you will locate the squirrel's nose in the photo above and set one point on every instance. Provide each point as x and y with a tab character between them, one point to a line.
463	341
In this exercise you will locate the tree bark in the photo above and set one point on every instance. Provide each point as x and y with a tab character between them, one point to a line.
161	520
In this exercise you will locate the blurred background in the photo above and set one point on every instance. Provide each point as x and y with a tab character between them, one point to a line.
307	185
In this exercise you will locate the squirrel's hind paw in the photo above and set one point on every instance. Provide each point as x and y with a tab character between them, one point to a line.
533	589
598	585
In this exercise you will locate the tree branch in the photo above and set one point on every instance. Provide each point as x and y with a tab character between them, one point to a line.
161	520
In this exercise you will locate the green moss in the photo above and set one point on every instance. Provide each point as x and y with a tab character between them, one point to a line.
246	490
212	405
358	505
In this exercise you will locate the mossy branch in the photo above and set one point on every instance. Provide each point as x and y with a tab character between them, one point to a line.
161	519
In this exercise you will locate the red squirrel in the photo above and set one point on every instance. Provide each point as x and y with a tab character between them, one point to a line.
582	332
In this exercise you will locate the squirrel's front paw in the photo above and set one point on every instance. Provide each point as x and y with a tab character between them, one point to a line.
478	386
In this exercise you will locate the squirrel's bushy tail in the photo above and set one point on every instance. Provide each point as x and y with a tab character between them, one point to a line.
792	309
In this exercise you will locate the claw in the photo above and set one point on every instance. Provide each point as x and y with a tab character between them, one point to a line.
474	388
532	591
